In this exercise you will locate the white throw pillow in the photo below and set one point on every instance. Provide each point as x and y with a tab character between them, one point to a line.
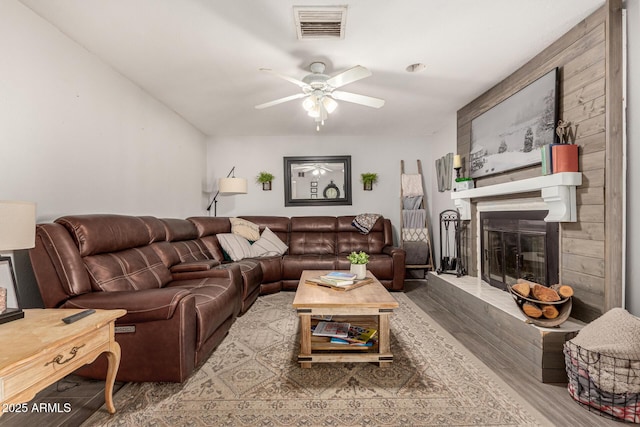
269	244
244	228
236	246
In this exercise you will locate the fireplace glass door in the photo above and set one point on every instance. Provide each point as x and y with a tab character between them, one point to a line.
518	248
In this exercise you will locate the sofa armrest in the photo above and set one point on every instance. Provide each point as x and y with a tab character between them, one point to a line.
185	267
394	251
398	255
142	306
224	271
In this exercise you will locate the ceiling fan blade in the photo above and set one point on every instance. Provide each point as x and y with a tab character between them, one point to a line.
287	78
281	100
351	75
368	101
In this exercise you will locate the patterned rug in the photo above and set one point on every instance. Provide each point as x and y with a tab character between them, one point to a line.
253	379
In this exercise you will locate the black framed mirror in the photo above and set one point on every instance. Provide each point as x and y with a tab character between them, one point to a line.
317	180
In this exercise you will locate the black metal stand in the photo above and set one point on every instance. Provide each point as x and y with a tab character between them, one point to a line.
450	264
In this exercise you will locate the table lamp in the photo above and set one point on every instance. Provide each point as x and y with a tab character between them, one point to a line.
17	231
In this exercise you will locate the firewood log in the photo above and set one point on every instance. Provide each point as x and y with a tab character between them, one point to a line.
522	289
550	311
542	293
565	291
530	283
531	310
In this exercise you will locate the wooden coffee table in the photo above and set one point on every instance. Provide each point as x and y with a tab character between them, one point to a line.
370	305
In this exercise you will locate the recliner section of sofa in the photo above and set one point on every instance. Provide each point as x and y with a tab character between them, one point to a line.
108	262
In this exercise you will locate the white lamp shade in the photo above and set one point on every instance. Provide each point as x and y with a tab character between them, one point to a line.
232	185
17	225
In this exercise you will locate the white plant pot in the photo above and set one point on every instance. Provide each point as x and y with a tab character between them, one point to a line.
360	270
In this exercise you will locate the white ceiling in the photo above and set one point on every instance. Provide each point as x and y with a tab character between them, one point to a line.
201	57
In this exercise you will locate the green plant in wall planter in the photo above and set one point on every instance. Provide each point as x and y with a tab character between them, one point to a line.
265	179
368	179
358	262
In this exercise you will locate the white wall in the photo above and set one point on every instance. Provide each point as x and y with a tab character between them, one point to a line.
382	155
633	158
77	137
443	142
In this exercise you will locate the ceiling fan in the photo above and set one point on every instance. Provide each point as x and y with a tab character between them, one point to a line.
316	168
319	91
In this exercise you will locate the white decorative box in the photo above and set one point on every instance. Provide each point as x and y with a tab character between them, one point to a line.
464	185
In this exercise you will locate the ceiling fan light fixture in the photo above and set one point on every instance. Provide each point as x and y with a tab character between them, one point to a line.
309	103
314	112
320	94
329	104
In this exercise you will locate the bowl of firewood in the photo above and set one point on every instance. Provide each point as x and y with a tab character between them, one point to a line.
542	305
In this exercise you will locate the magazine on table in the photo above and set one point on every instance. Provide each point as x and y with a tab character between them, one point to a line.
335	340
358	334
332	329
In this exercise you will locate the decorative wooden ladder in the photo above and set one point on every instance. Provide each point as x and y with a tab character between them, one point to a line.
422	233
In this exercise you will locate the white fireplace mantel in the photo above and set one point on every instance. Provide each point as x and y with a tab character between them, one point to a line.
558	191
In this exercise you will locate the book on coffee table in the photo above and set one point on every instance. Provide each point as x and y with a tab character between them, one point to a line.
317	281
339	275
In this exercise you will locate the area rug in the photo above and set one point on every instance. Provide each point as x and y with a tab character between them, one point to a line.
253	379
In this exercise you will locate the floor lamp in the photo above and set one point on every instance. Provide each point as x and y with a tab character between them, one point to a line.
227	186
17	231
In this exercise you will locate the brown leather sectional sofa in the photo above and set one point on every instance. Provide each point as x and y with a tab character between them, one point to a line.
171	276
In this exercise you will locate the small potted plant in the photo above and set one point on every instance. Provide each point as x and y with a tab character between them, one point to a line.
368	179
265	179
359	262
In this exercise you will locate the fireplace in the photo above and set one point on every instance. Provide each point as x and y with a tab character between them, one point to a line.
518	244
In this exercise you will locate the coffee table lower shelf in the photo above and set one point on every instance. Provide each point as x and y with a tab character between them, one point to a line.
321	350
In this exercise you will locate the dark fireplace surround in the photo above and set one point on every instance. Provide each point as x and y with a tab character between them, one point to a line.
518	244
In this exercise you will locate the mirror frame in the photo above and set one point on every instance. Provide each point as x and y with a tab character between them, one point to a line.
290	161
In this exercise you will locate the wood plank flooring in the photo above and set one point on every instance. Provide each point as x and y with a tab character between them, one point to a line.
86	396
553	400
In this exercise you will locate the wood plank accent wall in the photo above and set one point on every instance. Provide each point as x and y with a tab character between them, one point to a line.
590	91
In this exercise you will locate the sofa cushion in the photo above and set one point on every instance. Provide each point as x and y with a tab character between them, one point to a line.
102	233
350	239
179	229
191	250
268	245
236	246
128	270
244	228
313	235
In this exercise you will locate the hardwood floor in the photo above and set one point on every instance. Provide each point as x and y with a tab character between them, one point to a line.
86	396
553	400
67	403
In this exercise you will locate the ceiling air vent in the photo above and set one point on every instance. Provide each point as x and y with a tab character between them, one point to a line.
320	22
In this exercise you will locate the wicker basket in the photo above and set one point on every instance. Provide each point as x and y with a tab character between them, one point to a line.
607	385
